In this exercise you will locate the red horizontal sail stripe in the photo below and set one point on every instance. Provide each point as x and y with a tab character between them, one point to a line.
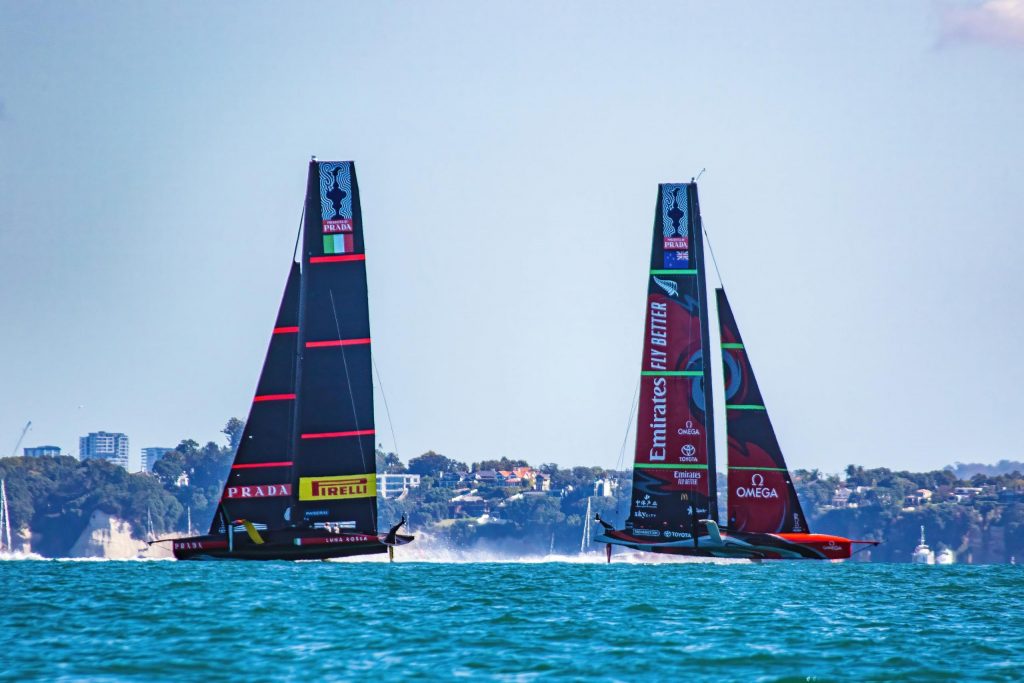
337	342
336	259
286	330
335	435
273	397
256	465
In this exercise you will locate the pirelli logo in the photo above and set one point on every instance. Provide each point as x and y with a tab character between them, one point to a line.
338	488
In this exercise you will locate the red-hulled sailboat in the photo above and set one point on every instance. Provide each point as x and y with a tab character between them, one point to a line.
303	482
674	507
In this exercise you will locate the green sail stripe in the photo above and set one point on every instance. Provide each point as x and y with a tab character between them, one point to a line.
672	373
667	466
731	345
743	406
763	469
687	271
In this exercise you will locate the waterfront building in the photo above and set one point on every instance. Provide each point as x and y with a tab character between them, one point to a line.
39	451
604	488
393	485
468	504
151	455
112	446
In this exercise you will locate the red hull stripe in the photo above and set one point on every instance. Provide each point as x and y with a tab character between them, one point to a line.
337	259
335	435
274	397
285	330
337	342
255	465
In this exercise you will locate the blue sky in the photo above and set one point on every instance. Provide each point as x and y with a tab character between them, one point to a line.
862	195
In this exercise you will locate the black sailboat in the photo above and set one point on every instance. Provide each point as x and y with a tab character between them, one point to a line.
673	507
303	482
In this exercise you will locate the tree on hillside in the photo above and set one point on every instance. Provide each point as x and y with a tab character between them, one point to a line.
503	464
233	430
431	463
389	462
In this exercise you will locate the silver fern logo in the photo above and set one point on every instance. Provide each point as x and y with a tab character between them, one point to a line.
669	287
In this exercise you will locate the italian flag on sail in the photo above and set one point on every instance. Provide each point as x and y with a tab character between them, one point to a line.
338	244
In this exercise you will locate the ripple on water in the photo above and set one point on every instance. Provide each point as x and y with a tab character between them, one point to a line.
776	621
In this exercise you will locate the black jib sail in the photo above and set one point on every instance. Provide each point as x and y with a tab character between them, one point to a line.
761	494
674	464
335	467
259	487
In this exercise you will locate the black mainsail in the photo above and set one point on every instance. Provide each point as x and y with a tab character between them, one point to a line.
303	482
674	463
335	464
761	493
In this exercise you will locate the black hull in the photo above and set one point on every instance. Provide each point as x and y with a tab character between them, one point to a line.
741	545
289	545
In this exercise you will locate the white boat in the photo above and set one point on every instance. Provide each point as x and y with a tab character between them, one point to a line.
922	553
945	556
6	547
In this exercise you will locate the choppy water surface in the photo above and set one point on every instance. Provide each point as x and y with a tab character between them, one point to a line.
522	621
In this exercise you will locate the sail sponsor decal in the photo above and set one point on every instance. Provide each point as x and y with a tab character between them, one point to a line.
674	211
671	400
675	227
257	491
667	286
757	488
340	487
332	540
339	226
199	545
336	197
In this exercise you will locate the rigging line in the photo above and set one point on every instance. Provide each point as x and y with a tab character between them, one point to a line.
699	174
387	411
348	379
711	250
625	437
298	235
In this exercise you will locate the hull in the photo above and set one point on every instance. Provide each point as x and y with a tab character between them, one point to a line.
743	545
288	544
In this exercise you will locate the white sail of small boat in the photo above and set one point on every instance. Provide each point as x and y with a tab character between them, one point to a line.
586	540
945	556
5	521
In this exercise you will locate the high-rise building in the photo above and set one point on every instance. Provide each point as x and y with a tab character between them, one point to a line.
151	455
38	451
107	445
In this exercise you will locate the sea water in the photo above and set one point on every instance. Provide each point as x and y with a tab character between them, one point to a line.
522	621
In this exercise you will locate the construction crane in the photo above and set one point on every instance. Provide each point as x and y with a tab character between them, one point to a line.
28	426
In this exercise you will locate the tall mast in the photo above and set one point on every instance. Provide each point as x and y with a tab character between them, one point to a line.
705	341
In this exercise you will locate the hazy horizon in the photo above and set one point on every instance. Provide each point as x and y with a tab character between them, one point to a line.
861	195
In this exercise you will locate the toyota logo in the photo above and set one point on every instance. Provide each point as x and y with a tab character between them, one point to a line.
688	449
757	480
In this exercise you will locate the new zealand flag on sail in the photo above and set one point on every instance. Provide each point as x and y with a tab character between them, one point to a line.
677	259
